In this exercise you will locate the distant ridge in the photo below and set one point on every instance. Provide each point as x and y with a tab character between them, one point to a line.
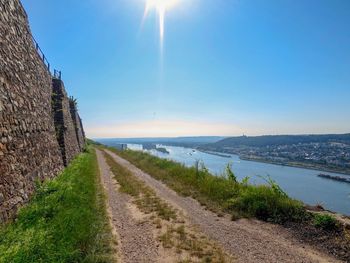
260	141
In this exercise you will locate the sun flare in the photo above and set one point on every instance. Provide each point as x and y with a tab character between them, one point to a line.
161	6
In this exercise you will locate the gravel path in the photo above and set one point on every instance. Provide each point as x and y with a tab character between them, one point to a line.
247	240
136	237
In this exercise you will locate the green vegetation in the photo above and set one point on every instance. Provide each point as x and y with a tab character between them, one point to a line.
326	222
145	198
94	143
65	221
221	193
162	150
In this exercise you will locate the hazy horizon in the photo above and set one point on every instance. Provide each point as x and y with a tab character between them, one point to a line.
219	67
222	136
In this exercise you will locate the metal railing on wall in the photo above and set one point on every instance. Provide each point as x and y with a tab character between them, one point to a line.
56	73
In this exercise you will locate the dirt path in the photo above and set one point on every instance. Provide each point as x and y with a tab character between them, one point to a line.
136	243
148	228
247	240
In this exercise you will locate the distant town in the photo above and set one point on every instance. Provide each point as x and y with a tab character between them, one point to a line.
328	152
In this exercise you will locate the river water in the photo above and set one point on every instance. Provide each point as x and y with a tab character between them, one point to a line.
298	183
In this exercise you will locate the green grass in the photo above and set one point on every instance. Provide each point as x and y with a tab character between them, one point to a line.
221	193
65	221
326	222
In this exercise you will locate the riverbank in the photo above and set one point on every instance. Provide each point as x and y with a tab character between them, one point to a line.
296	165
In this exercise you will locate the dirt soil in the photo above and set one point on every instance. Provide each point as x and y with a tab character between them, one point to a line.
150	229
247	240
136	243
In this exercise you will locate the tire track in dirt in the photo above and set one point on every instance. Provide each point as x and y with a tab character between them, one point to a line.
136	242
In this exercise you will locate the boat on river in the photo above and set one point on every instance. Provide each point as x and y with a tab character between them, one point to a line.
335	178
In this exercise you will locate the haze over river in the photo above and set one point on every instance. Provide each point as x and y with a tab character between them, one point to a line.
299	183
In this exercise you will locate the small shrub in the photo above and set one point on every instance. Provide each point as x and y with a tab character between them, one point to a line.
229	173
265	204
326	222
274	186
201	170
245	181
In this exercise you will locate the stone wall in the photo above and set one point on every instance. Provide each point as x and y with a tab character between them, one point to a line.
29	148
77	123
81	133
65	126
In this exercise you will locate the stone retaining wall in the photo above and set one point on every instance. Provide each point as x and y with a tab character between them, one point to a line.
77	123
65	126
29	147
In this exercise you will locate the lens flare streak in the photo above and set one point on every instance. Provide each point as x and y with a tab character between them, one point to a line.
161	7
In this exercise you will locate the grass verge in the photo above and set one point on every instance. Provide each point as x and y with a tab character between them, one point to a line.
65	221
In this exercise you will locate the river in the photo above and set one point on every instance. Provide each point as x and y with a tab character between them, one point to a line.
299	183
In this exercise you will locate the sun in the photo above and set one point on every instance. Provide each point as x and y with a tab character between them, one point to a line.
161	6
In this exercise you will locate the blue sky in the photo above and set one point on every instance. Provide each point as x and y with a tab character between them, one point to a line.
228	68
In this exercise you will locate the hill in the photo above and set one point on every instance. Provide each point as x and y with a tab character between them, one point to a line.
261	141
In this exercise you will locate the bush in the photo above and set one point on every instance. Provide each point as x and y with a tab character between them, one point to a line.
265	204
326	222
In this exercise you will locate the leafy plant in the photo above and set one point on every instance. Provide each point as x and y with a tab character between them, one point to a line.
196	166
201	170
265	204
325	221
245	181
73	100
274	186
229	173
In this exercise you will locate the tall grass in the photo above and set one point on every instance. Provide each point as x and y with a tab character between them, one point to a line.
221	193
65	221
